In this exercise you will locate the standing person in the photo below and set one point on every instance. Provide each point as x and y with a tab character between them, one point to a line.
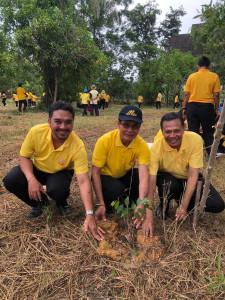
57	152
102	98
107	100
85	98
29	97
140	101
34	99
158	100
115	155
94	101
175	162
21	97
201	101
4	98
176	101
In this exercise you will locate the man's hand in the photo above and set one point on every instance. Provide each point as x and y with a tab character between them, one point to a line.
90	224
181	214
148	225
34	189
139	221
100	213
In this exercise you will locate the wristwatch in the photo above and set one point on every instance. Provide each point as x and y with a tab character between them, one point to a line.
89	212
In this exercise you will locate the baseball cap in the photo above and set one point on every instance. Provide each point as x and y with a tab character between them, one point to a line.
85	90
131	113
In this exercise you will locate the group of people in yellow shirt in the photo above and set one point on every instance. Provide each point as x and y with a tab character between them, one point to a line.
24	98
93	101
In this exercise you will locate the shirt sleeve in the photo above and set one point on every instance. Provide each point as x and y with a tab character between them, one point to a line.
81	161
217	87
154	160
196	158
100	154
144	154
27	148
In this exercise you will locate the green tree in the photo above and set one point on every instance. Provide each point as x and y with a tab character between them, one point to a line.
48	34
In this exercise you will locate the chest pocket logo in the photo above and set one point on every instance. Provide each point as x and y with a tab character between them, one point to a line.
61	161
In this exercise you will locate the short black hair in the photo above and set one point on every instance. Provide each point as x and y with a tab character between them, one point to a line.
204	62
61	105
170	117
19	84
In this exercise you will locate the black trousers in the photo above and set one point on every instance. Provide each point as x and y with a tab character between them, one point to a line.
102	104
57	185
4	101
202	114
24	103
112	188
174	189
158	104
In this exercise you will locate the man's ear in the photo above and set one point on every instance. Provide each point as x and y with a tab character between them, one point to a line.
48	122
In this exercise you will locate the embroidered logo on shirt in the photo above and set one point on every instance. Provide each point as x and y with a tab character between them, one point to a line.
61	161
131	113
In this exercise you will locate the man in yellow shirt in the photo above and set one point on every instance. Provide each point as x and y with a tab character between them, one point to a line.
57	152
158	100
201	101
107	101
175	161
115	155
21	97
140	101
85	98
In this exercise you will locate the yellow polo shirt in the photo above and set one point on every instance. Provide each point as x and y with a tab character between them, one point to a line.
159	97
166	159
29	96
176	99
140	99
114	158
20	93
34	98
85	98
107	97
201	86
71	155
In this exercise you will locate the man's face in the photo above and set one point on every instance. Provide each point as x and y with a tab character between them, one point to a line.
128	131
173	132
61	124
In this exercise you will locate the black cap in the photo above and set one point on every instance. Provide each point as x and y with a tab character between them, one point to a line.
131	113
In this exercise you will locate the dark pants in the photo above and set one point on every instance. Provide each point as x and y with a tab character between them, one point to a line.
84	113
4	101
174	189
113	188
24	103
94	107
176	105
29	102
158	104
139	104
57	185
202	114
102	104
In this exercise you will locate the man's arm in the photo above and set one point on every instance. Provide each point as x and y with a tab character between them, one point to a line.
34	186
186	99
97	185
148	222
181	211
216	97
87	199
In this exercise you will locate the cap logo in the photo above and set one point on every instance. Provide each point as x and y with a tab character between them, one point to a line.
131	113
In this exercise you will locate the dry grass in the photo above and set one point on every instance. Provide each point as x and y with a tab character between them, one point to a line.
52	258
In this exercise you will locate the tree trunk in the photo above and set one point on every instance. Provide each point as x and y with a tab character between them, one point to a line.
212	159
56	87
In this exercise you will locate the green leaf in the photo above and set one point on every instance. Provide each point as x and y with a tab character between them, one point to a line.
124	212
139	201
137	216
142	211
127	201
120	208
133	206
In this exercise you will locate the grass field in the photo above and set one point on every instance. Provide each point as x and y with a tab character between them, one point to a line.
52	258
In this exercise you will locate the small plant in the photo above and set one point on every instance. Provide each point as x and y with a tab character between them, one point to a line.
125	210
217	282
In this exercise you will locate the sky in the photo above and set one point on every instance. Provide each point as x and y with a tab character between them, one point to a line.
190	6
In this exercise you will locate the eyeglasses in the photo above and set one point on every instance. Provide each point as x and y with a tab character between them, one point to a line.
134	127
